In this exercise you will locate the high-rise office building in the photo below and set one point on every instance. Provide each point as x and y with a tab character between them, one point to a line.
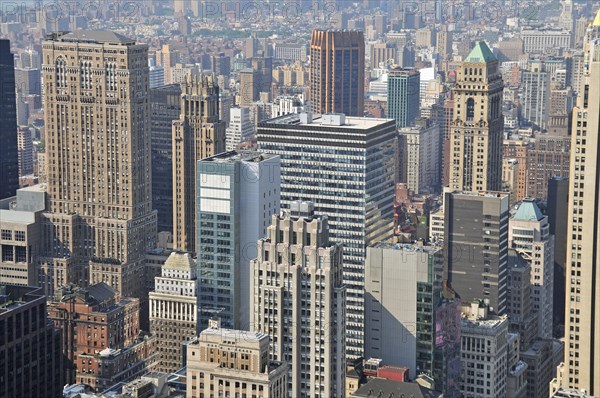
547	157
237	193
220	65
226	362
476	234
174	309
249	87
298	297
196	135
337	72
529	235
165	106
403	92
25	147
443	42
419	149
408	322
345	166
557	210
240	128
9	158
523	319
535	86
582	332
100	222
31	362
484	353
477	128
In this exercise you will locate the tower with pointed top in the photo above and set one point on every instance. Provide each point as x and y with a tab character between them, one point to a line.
477	127
196	135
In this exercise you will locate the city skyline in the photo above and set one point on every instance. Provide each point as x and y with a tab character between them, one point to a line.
309	198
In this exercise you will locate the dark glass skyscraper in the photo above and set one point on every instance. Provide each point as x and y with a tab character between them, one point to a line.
337	72
9	163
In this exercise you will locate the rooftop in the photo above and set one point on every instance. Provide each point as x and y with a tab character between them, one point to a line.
528	211
233	335
481	53
385	388
350	122
180	261
239	156
597	19
409	247
93	36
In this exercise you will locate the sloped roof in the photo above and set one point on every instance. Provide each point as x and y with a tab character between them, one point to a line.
528	211
97	36
481	53
597	19
180	261
101	292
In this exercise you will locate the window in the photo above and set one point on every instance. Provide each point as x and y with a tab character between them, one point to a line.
470	108
6	234
20	236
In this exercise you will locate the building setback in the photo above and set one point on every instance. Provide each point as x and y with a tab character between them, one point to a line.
196	135
345	166
174	310
100	222
226	362
298	298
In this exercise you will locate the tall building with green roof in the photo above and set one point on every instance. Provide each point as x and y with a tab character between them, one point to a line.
477	127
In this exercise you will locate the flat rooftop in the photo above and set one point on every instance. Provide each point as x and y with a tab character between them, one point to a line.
409	247
233	335
350	122
91	37
239	156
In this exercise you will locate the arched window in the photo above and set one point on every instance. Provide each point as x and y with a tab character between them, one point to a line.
470	108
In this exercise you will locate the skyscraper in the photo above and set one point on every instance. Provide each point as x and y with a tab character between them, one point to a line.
476	233
403	93
31	361
165	106
99	177
529	235
174	309
535	85
196	135
298	297
240	128
582	331
337	72
9	163
345	166
477	127
237	193
407	320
